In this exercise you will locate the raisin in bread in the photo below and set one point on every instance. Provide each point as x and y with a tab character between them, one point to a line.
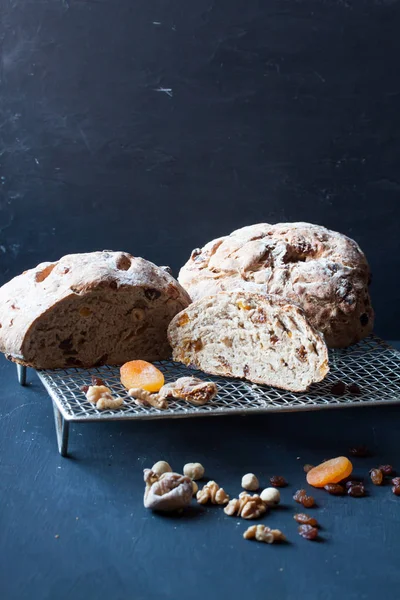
89	309
322	271
264	339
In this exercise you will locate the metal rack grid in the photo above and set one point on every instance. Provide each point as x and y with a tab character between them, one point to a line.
371	363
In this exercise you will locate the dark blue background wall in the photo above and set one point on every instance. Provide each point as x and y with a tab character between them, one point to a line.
155	125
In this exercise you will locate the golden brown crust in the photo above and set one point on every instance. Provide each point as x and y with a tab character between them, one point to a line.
322	271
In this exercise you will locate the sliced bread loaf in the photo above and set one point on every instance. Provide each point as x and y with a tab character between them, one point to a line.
264	339
89	309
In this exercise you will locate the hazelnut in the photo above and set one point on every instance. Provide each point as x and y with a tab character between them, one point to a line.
250	482
271	496
193	470
195	488
161	467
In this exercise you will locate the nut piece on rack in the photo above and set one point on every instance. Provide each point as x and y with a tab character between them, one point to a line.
161	467
271	496
100	395
246	506
211	492
168	492
261	533
250	482
145	398
191	389
193	470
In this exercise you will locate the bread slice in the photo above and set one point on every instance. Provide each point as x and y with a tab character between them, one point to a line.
264	339
89	309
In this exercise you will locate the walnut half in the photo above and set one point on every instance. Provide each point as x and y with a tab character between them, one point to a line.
211	492
246	506
261	533
167	492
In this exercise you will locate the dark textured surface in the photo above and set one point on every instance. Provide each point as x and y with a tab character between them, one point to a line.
155	125
109	546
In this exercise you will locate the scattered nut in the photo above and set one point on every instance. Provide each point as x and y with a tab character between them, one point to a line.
161	467
109	403
261	533
195	488
191	389
95	392
145	398
271	496
167	492
211	492
193	470
100	395
246	506
250	482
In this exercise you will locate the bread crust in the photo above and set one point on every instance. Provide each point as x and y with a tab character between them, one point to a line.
32	297
323	271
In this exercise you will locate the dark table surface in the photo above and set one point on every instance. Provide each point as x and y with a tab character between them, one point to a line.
76	527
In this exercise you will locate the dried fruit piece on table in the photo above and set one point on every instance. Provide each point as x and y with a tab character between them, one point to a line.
353	482
335	489
386	469
191	389
331	471
250	482
261	533
299	495
376	476
307	468
304	519
396	480
308	532
359	451
396	490
338	388
167	492
307	501
141	374
354	389
278	481
212	493
356	491
271	496
246	506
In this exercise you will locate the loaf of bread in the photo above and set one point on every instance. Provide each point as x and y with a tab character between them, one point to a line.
322	271
264	339
89	309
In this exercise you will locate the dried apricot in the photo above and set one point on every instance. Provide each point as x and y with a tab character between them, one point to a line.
331	471
141	374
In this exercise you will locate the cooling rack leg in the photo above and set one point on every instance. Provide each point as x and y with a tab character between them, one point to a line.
62	431
21	373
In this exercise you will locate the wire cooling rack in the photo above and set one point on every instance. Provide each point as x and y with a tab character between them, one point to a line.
372	364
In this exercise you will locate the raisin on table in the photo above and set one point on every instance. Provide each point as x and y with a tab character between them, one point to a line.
335	489
308	532
278	481
304	519
376	476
